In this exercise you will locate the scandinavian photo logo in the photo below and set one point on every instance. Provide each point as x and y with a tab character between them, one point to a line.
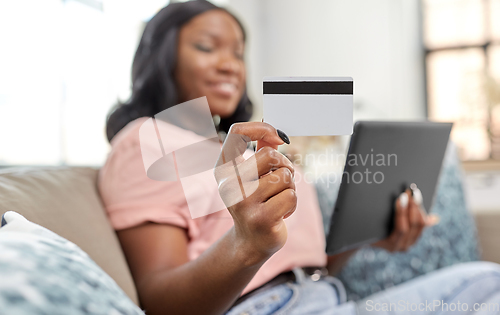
181	144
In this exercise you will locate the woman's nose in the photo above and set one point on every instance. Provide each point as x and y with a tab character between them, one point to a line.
228	63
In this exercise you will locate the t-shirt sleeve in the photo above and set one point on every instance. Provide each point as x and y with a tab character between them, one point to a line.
131	198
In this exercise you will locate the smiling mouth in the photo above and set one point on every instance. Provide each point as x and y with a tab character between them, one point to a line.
225	88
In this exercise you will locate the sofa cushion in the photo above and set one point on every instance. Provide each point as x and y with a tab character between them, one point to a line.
487	222
65	200
42	273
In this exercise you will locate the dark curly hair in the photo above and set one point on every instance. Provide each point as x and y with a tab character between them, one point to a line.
153	85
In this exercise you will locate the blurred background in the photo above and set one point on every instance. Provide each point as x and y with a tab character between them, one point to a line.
65	63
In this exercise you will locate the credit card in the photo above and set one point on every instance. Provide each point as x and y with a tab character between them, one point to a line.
309	106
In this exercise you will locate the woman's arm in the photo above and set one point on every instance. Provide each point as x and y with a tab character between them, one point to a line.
168	283
336	262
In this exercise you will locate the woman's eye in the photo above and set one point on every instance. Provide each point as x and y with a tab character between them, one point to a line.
203	48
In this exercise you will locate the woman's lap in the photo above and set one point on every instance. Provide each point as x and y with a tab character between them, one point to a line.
456	286
304	296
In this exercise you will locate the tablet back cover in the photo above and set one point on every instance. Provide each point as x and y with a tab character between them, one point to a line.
384	158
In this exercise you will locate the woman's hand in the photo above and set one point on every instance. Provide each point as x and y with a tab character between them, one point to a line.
409	222
259	192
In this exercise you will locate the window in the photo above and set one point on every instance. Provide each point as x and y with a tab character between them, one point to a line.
64	64
462	40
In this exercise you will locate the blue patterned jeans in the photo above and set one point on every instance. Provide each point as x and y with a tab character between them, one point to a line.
468	288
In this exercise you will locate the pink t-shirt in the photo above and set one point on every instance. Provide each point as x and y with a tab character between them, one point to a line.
131	199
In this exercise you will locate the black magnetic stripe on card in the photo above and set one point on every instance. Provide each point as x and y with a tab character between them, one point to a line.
309	87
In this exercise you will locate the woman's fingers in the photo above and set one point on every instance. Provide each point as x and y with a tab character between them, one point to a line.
265	160
258	192
401	222
429	219
399	234
418	217
417	223
410	219
260	177
432	219
238	177
236	143
275	183
282	205
269	159
264	134
241	134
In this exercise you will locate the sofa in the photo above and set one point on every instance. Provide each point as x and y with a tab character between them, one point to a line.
66	201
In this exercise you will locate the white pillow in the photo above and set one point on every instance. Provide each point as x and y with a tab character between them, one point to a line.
43	273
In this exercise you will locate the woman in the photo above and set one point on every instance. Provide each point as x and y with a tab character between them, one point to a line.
235	261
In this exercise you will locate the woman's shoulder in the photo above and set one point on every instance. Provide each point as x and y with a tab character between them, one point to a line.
128	193
129	133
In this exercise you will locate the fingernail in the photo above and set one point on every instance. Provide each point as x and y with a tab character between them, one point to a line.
417	196
403	200
413	187
283	136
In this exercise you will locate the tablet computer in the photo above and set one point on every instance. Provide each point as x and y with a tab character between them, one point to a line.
384	158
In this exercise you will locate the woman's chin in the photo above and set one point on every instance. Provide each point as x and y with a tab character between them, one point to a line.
223	108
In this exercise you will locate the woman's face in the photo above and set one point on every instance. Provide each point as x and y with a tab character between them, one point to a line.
210	61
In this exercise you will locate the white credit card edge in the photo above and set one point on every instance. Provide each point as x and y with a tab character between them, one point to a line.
309	115
306	79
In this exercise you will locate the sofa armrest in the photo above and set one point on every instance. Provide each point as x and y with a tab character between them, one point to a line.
66	201
487	223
